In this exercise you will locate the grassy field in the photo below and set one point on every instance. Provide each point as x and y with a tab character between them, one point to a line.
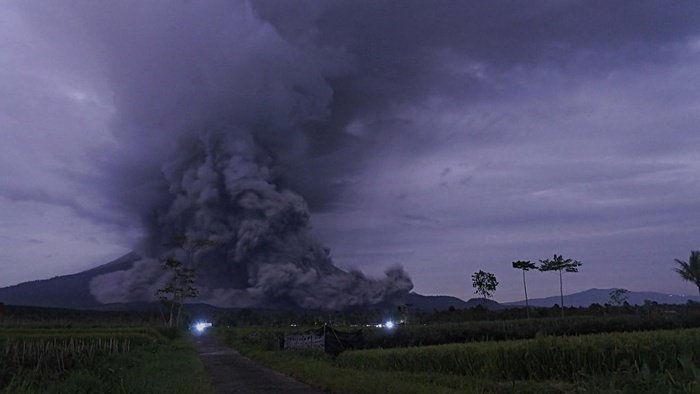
99	360
474	331
663	361
52	352
498	330
38	317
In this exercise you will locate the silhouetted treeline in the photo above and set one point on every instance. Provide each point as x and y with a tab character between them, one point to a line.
28	316
365	317
479	313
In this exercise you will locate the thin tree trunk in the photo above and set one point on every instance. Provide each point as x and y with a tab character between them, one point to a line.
179	311
172	306
527	305
561	294
180	300
162	313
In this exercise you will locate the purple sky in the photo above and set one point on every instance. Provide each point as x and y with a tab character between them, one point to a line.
447	137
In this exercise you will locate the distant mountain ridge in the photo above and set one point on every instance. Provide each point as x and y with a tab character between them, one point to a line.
73	292
441	302
67	291
602	296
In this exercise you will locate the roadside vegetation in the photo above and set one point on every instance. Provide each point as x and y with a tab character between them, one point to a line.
474	331
635	362
108	356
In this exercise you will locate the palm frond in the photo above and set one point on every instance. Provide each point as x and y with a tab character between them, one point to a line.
689	270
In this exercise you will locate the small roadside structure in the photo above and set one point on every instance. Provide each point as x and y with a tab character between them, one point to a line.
304	341
325	338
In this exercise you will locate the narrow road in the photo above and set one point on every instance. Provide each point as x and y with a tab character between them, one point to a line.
232	372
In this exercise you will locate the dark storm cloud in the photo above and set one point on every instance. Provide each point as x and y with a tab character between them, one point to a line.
44	197
403	53
397	120
375	58
399	48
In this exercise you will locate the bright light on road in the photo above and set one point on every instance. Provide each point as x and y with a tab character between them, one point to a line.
201	326
389	325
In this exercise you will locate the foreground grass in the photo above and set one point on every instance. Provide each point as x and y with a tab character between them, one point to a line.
321	371
324	375
166	367
541	358
652	362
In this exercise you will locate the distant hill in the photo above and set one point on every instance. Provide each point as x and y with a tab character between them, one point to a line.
602	296
73	291
441	302
430	303
68	291
486	303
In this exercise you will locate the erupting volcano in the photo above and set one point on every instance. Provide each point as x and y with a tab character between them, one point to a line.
216	126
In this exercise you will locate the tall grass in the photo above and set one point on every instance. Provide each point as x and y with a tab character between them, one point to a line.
58	355
49	354
567	358
167	367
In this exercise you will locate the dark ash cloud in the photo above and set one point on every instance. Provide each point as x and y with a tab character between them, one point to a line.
212	107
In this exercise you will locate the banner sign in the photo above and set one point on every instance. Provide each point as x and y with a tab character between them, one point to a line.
304	341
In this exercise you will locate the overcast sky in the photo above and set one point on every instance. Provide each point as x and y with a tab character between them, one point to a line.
453	136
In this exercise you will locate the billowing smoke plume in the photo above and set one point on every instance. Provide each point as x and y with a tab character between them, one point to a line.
262	254
214	109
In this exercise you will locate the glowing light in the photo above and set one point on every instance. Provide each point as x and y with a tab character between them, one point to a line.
201	326
389	325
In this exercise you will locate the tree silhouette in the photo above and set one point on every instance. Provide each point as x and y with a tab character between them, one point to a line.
181	277
618	296
558	263
690	270
525	266
485	283
178	288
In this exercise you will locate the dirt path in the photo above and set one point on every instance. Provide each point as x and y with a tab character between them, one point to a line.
232	372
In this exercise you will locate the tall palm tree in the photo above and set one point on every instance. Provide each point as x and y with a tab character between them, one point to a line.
690	270
559	264
525	266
